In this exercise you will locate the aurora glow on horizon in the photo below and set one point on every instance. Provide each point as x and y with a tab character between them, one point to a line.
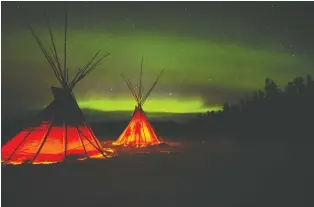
208	59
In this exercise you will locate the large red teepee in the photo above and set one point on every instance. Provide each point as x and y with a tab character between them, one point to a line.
60	131
139	132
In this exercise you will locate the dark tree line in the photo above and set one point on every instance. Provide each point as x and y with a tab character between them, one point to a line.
272	113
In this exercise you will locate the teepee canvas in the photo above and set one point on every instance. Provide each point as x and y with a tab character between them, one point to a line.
139	132
60	131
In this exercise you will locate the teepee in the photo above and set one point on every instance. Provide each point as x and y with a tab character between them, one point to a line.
60	131
139	132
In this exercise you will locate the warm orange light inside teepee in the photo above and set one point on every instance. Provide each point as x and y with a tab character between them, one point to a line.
138	133
48	144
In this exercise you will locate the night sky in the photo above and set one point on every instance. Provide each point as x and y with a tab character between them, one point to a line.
212	52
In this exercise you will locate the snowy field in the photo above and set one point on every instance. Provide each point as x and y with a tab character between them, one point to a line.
213	173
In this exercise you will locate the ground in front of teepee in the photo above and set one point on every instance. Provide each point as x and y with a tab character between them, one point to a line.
212	173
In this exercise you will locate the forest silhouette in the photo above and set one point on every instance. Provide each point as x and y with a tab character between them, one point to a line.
272	113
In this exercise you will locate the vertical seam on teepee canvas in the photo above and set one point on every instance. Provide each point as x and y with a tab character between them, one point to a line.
43	142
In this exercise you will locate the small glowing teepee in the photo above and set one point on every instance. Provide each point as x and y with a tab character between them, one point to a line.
60	131
139	132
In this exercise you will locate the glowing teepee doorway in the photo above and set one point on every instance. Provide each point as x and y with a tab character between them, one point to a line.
139	132
60	131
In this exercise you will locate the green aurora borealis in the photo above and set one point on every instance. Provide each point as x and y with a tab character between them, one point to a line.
201	71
